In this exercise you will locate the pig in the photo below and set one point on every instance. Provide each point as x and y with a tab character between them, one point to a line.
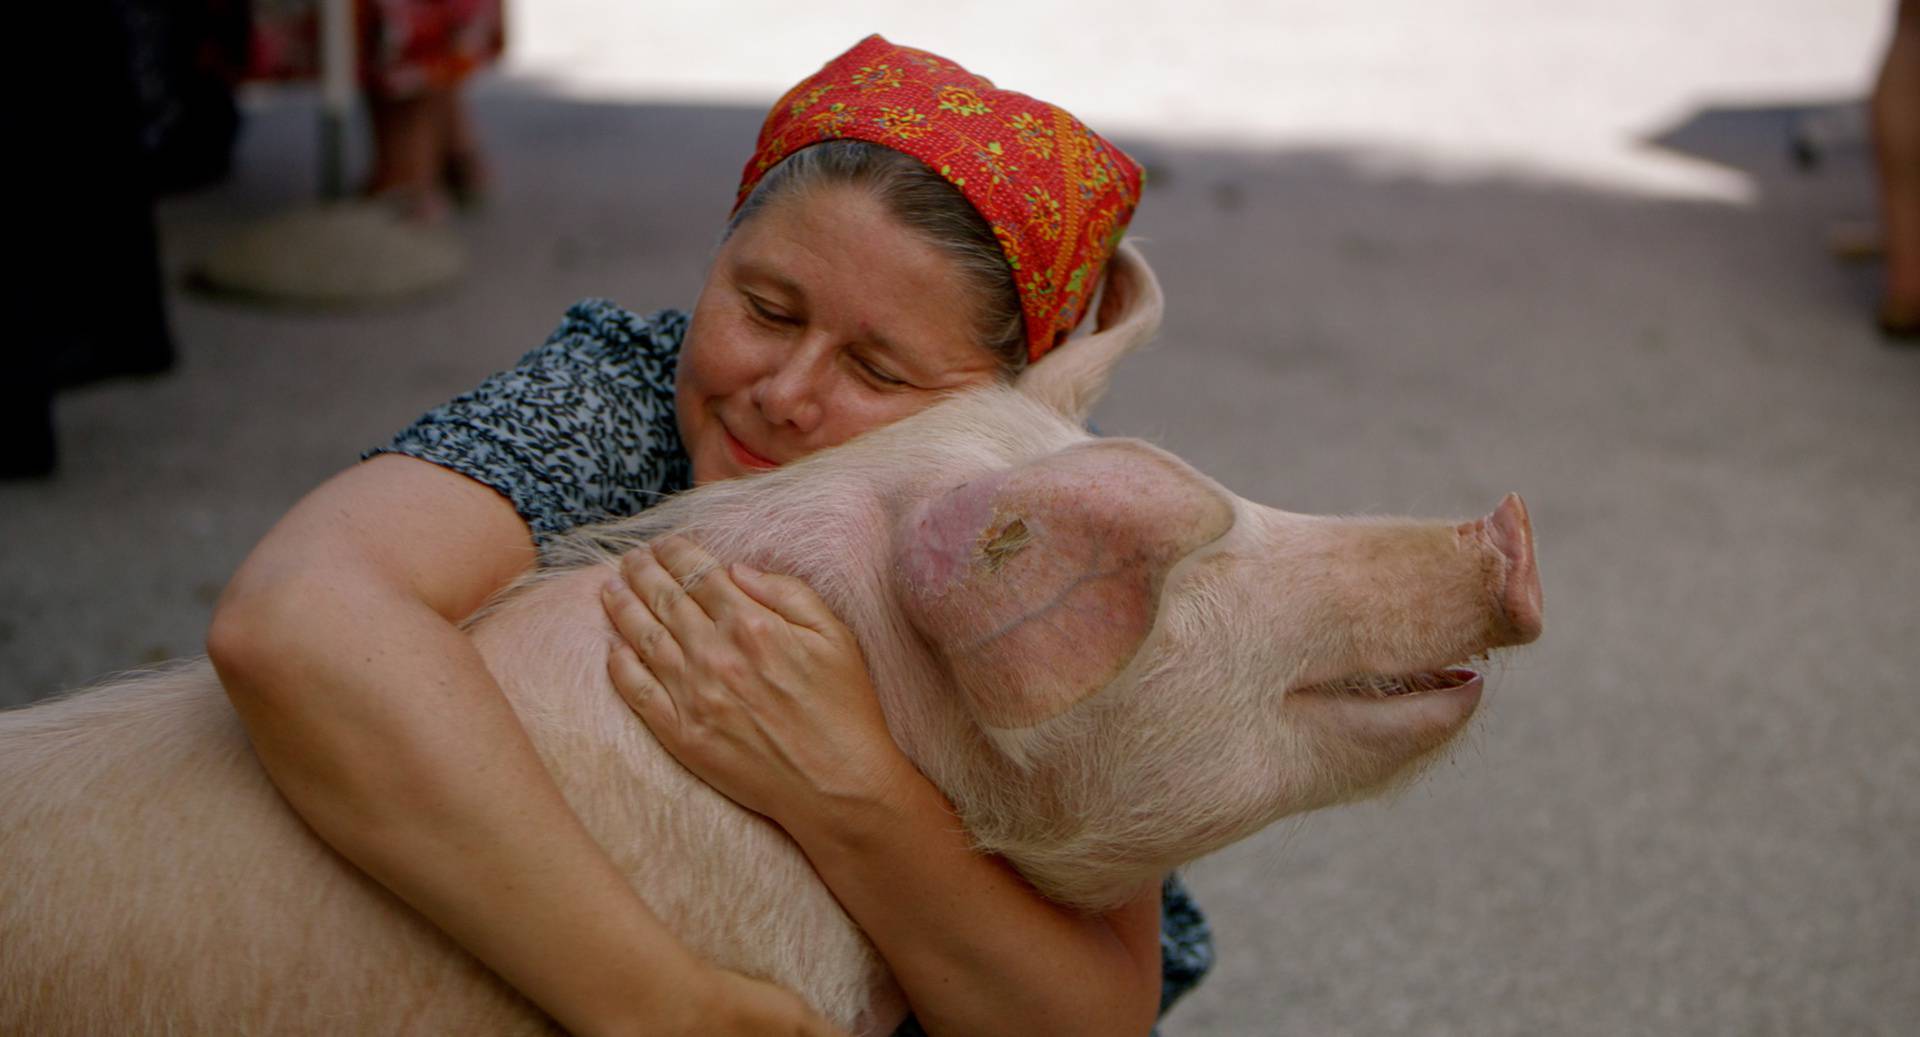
1108	662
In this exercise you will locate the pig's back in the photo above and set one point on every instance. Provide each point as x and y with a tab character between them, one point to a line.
156	882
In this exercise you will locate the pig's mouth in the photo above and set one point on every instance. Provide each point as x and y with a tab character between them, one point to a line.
1382	685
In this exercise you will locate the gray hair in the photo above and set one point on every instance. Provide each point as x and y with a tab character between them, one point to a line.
923	202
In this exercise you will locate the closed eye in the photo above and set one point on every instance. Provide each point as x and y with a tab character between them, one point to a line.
769	314
877	374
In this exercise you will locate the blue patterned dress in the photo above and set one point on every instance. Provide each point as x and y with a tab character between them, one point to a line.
582	430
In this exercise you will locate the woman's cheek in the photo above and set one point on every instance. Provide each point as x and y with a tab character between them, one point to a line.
753	351
724	362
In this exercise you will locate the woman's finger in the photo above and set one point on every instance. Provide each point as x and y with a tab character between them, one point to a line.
643	693
660	591
787	596
741	1005
654	645
705	580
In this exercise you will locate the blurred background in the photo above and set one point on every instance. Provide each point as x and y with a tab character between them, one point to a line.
1416	254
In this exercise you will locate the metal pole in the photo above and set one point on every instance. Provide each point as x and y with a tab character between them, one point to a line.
336	94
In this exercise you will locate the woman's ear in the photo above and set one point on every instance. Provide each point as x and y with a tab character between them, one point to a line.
1073	377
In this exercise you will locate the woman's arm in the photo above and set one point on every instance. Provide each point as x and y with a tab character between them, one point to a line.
377	720
753	683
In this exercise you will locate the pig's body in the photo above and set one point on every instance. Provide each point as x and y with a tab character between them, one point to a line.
140	831
1109	664
157	883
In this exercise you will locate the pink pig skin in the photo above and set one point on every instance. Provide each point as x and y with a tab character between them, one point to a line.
1109	663
1041	582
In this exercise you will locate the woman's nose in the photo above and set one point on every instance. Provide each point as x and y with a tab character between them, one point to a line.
789	392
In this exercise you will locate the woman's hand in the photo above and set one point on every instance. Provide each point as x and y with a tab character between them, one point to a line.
750	681
727	1004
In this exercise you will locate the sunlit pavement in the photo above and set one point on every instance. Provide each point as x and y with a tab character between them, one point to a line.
1412	262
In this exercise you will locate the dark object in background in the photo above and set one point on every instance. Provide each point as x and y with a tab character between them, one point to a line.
90	230
184	58
26	425
115	99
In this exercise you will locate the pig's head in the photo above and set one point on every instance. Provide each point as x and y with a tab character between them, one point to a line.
1157	667
1111	664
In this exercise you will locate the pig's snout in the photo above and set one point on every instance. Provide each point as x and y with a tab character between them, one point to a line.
1398	597
1405	605
1510	533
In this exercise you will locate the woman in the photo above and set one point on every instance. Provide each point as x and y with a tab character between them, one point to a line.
855	287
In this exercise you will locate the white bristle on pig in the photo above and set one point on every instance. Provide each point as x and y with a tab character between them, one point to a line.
1108	663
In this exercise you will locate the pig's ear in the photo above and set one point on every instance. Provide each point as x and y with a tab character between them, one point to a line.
1074	376
1037	585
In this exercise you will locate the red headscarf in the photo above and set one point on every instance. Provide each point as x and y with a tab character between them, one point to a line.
1057	194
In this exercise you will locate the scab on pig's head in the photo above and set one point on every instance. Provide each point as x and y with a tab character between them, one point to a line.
1158	667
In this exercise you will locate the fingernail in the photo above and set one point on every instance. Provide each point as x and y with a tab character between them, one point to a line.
739	569
613	586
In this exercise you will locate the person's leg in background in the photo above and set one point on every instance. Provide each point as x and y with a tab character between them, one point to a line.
1896	142
417	56
408	153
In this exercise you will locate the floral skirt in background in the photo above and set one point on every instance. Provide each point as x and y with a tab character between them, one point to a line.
406	47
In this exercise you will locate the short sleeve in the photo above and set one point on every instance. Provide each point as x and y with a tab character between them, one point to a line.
581	430
1186	942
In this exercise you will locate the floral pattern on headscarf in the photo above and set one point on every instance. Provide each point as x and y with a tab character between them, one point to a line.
1057	195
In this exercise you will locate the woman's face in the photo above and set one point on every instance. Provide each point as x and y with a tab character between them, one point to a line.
822	318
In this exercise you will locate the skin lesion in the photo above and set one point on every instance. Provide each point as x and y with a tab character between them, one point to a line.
999	543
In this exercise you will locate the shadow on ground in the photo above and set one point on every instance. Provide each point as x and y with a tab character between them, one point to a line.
1760	139
1688	810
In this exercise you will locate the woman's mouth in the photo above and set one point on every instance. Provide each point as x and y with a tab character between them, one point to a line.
744	457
